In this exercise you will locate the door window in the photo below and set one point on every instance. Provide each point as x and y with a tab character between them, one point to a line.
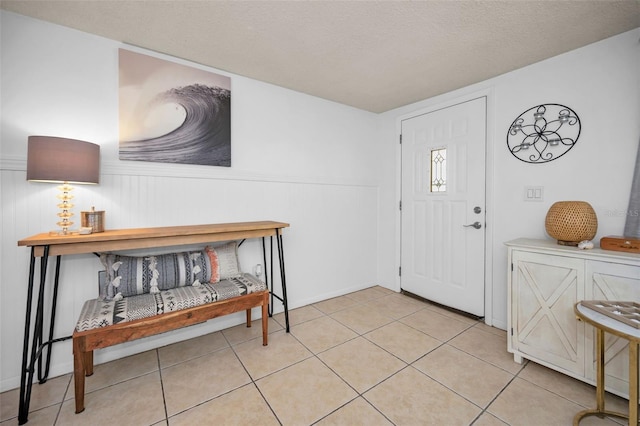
439	170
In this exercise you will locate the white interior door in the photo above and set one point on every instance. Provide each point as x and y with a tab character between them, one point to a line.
443	193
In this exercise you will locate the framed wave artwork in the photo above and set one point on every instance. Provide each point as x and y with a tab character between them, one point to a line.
173	113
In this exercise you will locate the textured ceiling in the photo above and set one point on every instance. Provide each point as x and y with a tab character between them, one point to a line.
371	55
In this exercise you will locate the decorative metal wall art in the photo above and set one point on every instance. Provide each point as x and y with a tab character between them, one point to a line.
543	133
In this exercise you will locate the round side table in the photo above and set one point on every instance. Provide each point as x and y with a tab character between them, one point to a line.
604	323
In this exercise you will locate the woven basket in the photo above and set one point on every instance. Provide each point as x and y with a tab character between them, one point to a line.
570	222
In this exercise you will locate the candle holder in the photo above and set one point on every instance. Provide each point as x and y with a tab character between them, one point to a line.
553	131
93	219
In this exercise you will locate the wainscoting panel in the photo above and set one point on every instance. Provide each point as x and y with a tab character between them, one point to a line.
330	248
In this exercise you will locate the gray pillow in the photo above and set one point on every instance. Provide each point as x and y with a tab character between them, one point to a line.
129	276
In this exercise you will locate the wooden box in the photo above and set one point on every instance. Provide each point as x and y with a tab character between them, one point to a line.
619	243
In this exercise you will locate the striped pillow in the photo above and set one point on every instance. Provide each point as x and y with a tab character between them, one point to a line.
130	276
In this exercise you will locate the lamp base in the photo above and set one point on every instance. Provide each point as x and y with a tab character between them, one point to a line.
61	233
65	208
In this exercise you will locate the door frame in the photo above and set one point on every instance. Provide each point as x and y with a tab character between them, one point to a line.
438	104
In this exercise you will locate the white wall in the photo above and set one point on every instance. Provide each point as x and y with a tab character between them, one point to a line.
295	158
601	82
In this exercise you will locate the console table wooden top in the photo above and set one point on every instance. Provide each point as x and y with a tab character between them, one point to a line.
138	238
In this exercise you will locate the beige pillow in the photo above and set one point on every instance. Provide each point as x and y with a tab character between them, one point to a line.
224	261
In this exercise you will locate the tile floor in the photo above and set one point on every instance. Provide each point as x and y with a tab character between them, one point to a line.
373	357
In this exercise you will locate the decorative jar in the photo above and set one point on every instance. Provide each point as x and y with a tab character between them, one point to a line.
570	222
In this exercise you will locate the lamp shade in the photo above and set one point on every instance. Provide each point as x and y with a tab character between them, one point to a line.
53	159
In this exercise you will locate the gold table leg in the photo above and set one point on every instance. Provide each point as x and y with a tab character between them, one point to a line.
633	384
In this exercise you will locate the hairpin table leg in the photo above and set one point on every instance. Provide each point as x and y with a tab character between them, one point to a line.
26	373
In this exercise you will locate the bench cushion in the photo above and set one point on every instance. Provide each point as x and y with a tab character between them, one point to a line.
102	313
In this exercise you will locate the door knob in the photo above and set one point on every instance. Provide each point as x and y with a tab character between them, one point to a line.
477	210
476	225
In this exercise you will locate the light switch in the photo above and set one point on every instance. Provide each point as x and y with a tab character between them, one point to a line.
533	193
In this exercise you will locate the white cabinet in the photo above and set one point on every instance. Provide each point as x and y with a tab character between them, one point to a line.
545	281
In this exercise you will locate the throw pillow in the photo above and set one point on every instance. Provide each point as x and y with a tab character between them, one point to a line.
129	276
224	261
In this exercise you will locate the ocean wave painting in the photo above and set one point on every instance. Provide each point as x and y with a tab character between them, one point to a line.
171	113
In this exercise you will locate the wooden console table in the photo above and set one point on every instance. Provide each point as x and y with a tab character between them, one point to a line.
45	245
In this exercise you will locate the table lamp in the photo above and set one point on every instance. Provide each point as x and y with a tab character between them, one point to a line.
66	161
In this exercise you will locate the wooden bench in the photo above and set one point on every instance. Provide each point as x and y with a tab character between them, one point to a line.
85	342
